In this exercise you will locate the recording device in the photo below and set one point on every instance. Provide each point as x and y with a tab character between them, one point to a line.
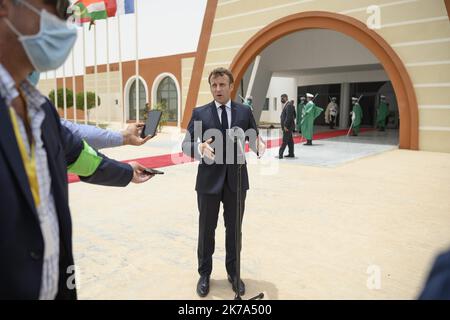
151	171
151	124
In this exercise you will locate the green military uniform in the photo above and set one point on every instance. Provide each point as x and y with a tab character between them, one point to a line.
249	103
382	114
300	108
310	113
357	116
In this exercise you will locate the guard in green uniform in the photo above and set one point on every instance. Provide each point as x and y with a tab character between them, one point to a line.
249	102
356	116
300	107
310	113
382	114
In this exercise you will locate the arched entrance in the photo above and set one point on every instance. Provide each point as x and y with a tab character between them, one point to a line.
404	90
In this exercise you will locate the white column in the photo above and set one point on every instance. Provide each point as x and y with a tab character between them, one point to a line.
253	77
344	106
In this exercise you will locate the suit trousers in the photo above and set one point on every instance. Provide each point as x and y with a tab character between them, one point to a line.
209	205
288	141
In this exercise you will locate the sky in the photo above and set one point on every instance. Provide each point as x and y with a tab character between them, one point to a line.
165	27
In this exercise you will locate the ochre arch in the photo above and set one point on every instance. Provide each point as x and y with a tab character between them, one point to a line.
394	67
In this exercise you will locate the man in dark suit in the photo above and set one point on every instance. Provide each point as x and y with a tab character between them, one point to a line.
287	126
36	259
217	171
437	286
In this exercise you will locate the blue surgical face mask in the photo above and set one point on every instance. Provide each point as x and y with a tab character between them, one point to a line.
33	78
48	49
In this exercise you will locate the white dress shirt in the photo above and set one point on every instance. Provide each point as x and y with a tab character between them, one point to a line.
228	109
219	113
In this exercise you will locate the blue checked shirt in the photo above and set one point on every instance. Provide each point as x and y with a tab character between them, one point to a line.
46	211
96	137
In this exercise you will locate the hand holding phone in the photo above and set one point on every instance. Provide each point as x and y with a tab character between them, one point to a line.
151	171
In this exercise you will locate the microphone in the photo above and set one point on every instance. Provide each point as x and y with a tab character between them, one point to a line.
237	133
238	136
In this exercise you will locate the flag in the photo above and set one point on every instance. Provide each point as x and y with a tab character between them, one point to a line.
91	10
111	8
96	9
81	13
125	6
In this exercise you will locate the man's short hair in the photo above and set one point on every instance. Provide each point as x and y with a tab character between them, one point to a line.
284	95
220	72
61	6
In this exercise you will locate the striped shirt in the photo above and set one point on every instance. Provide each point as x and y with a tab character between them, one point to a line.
46	211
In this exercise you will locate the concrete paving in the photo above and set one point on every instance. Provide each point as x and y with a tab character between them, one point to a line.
343	221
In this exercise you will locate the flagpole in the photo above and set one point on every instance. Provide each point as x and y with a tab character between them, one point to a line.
137	62
121	99
95	75
84	77
74	87
108	99
64	91
56	91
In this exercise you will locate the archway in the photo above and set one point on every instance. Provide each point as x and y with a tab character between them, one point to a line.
177	100
403	87
130	98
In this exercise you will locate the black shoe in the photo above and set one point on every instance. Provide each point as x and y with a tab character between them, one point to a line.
290	156
279	157
241	285
203	286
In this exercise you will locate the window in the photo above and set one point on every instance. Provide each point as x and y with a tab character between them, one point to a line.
167	95
324	93
275	102
266	105
132	100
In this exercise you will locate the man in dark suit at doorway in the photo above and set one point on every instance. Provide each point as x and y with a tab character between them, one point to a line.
217	173
287	125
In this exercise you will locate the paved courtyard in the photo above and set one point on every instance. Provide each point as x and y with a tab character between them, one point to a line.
322	226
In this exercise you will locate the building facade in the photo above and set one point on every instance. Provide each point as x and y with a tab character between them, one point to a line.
409	39
398	48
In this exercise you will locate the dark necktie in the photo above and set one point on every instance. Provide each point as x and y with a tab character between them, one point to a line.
224	119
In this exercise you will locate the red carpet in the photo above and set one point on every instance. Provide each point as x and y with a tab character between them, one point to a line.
168	160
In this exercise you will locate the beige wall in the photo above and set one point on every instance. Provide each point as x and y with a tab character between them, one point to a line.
417	30
109	109
187	66
152	71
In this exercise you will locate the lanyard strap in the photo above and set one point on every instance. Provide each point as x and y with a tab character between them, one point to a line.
29	163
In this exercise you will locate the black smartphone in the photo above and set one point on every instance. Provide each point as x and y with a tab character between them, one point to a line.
152	171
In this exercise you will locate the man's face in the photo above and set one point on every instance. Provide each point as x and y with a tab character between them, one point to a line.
283	99
221	88
26	22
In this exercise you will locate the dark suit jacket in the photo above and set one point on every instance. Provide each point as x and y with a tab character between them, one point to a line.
211	177
437	286
288	117
21	241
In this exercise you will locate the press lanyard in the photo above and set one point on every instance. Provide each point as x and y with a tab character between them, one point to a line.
29	163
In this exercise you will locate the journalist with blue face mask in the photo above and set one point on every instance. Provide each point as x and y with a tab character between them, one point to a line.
36	260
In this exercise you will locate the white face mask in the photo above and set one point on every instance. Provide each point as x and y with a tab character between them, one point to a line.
50	47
